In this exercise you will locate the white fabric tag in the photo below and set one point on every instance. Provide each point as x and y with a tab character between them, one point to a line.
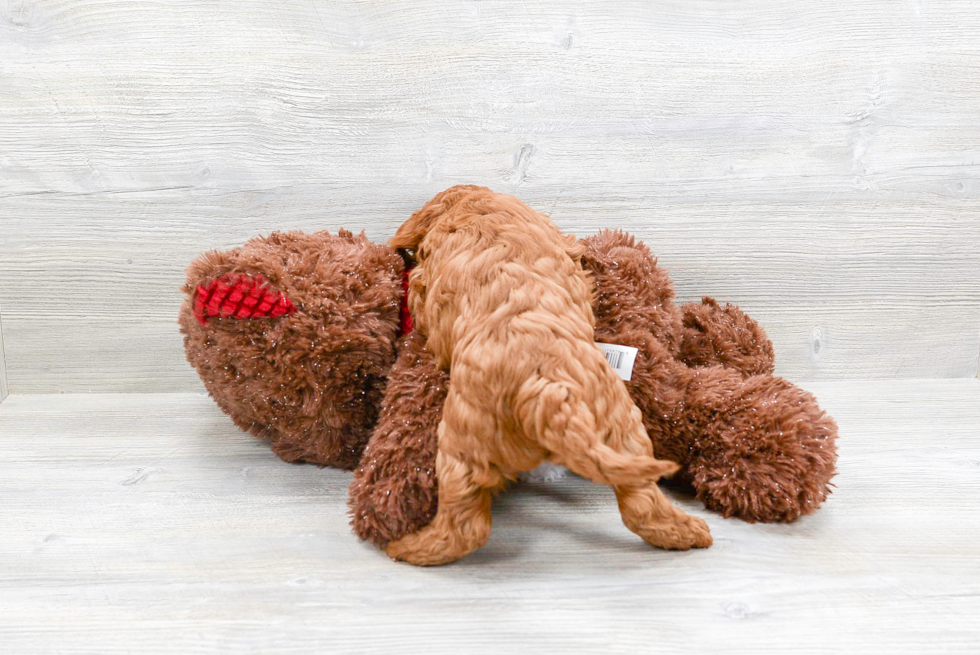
621	358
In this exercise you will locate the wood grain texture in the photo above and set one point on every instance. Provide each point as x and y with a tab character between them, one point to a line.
817	164
3	367
149	521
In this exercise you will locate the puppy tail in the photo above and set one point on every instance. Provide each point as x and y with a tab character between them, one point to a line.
568	428
620	470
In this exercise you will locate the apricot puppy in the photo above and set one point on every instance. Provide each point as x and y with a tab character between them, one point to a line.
503	302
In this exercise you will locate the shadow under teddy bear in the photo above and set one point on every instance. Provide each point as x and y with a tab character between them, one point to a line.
297	338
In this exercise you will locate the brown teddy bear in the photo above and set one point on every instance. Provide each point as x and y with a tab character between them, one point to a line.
297	338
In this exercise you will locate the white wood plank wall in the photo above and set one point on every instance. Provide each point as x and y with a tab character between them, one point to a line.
816	162
3	367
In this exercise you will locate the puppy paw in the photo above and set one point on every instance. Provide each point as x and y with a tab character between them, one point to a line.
412	549
692	532
682	533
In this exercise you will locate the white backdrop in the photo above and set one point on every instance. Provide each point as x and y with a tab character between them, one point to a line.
816	162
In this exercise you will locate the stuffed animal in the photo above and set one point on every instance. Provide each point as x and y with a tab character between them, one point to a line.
297	338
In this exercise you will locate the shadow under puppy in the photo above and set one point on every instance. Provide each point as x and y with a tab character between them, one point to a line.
502	300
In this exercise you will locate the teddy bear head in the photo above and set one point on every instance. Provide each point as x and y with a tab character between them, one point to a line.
293	335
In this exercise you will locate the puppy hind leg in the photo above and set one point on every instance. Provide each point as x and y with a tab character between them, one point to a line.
462	520
644	508
647	512
628	466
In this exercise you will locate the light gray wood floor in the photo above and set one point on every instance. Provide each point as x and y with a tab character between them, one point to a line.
148	523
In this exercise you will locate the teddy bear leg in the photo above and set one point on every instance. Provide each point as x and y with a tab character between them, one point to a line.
715	335
395	491
764	450
462	521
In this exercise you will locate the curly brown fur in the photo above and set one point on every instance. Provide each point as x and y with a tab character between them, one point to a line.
500	295
311	382
714	335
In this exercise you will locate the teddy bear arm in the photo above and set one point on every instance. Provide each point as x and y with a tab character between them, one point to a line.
394	492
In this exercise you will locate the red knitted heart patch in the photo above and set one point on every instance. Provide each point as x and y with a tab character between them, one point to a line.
240	296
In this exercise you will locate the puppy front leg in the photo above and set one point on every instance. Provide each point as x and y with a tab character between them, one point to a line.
462	520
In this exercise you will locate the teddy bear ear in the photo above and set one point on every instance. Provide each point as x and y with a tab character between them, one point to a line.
240	296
